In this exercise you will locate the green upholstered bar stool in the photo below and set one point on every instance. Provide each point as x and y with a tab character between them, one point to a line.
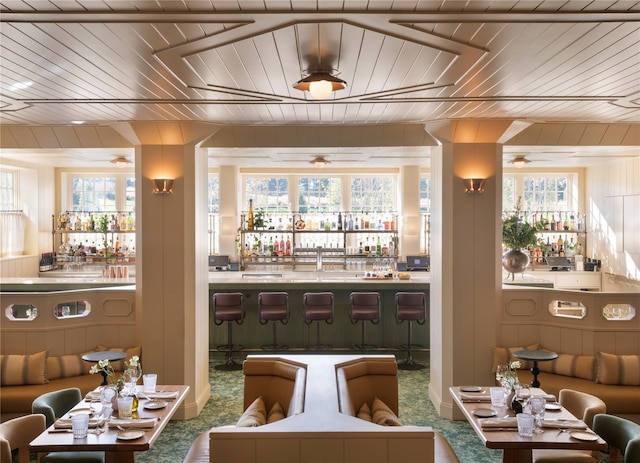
54	405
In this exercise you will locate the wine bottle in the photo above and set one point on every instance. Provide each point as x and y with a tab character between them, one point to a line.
339	220
250	216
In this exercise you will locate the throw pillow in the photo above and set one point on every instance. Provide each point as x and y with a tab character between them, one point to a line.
18	370
65	366
131	351
254	415
364	413
618	369
577	366
276	413
383	415
503	355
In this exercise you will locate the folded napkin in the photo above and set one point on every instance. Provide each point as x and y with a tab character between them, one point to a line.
501	423
158	395
65	423
131	423
564	424
475	397
92	396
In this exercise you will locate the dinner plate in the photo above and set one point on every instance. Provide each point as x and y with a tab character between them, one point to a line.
553	407
484	412
130	434
470	389
582	435
81	411
154	405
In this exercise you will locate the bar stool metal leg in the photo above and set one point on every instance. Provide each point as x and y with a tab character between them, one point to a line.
410	307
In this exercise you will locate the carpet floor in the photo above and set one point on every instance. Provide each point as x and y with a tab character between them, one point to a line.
225	407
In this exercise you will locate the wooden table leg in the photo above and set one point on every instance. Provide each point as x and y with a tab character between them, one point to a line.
517	456
119	457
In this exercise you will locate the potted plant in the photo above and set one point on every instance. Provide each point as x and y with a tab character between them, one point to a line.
517	235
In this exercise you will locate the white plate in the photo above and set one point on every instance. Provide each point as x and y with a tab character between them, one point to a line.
553	407
484	412
153	405
130	434
582	435
81	411
470	389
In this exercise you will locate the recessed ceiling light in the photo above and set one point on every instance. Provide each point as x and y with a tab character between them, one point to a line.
20	86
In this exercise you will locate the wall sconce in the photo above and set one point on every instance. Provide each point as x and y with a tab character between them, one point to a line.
162	186
473	185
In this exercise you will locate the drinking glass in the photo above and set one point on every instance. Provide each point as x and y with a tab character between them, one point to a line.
132	378
524	394
537	404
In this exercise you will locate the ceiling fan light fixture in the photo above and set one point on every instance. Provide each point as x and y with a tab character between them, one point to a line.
520	162
121	162
320	84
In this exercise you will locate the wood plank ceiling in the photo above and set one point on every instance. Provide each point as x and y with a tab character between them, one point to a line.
234	62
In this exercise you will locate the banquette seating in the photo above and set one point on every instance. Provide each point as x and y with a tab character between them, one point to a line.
320	423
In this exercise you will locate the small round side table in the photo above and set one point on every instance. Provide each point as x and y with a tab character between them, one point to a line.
535	356
111	355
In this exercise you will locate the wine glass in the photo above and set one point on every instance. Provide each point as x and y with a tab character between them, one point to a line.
537	404
135	372
524	394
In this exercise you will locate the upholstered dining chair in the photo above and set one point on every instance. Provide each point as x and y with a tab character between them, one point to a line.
581	405
622	435
16	433
54	405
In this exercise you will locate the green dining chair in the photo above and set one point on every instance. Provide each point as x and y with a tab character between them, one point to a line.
54	405
622	435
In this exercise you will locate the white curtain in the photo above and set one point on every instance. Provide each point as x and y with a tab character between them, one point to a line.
12	228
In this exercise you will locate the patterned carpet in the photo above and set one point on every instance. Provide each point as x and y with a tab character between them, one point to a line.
225	407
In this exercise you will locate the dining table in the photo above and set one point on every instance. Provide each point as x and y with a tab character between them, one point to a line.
118	439
497	429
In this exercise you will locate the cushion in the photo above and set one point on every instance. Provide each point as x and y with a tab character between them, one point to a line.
364	413
65	366
578	366
17	370
618	369
276	413
254	415
131	351
504	355
383	415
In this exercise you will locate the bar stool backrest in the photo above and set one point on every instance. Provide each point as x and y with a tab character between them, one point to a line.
318	306
228	307
276	304
411	306
367	303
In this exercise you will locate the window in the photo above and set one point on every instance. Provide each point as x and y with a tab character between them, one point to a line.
213	202
319	194
269	193
373	194
96	193
425	194
540	193
12	220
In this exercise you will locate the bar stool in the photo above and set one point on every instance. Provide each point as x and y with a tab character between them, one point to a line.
318	307
364	307
411	307
228	307
274	306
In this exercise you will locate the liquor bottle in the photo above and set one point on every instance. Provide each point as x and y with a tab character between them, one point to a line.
379	247
552	224
366	247
361	249
565	225
270	246
288	247
339	221
130	224
350	223
560	242
282	248
545	222
250	216
276	247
